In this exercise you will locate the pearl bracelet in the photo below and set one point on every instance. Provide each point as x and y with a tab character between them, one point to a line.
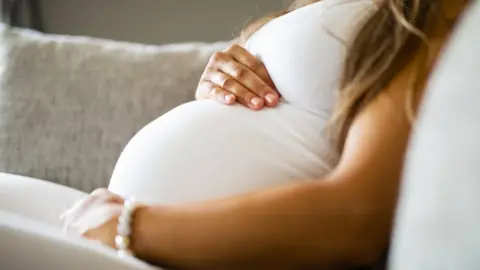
124	228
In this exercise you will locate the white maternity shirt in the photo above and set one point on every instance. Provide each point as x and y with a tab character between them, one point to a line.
203	149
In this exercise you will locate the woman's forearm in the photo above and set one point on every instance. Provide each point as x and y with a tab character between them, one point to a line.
293	226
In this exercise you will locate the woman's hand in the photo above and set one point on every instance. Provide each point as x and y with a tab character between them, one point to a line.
95	217
236	75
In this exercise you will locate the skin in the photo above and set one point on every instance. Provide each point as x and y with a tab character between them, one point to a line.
345	218
235	75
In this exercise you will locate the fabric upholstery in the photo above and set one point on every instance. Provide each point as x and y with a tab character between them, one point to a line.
438	222
27	244
68	105
31	236
36	199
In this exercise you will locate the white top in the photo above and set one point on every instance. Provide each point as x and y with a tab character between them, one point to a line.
203	149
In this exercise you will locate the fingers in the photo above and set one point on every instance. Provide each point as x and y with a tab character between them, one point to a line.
212	91
245	76
99	196
230	85
244	57
73	212
235	71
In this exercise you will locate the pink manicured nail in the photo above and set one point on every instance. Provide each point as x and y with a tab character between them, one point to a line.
257	102
229	98
271	98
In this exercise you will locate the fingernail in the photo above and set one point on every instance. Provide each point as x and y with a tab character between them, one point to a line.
271	98
229	98
256	101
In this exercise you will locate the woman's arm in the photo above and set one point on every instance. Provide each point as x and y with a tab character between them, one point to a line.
343	219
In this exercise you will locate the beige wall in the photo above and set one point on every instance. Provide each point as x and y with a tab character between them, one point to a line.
154	21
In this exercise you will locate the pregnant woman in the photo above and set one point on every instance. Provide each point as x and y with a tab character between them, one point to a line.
264	184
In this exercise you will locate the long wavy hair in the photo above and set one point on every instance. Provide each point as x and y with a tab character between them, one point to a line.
384	44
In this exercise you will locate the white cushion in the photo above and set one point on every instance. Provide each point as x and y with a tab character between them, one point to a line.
36	199
438	223
30	237
26	244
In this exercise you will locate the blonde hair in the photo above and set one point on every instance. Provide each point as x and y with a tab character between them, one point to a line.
382	47
253	27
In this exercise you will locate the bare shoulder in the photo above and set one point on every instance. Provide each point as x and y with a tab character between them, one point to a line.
379	135
376	143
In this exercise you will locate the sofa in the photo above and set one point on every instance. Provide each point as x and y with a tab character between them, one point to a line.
58	123
68	105
438	215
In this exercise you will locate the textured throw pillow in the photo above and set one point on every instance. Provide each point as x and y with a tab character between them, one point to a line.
438	222
68	105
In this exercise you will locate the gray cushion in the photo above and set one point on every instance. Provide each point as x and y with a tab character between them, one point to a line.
438	223
68	105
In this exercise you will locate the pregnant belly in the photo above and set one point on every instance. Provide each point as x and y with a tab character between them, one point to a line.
203	150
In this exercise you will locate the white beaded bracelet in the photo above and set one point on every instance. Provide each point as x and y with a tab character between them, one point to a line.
124	228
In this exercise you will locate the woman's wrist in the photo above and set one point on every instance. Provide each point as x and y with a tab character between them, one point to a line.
148	235
140	240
